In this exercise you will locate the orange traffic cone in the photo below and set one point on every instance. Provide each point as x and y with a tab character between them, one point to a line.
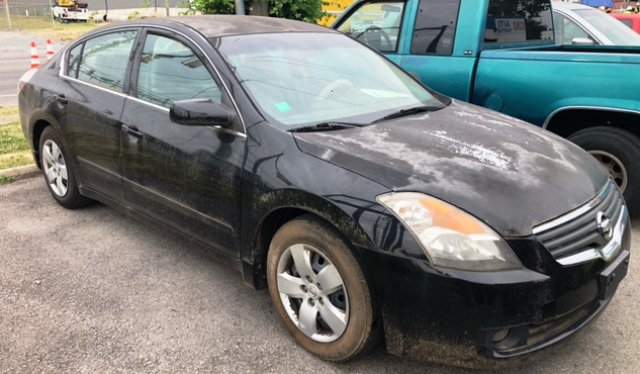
35	59
49	50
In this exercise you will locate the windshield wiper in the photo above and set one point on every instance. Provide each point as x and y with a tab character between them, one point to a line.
328	126
409	111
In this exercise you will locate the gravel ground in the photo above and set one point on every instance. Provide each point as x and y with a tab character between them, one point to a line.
92	291
20	41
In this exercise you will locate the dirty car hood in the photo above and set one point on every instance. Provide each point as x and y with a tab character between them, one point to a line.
510	174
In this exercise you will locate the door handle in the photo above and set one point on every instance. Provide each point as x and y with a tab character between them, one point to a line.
132	130
61	98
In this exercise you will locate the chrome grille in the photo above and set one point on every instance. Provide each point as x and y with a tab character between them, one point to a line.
575	237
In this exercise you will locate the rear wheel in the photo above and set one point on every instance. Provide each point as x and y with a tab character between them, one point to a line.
320	291
58	173
619	152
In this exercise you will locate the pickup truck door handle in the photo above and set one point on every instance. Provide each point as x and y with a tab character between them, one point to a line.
132	130
62	99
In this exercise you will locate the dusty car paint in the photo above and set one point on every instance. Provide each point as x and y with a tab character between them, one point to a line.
232	188
471	156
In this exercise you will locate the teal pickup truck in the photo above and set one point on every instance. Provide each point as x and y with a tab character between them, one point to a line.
501	54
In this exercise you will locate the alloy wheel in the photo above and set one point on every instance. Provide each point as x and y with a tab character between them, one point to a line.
313	293
55	168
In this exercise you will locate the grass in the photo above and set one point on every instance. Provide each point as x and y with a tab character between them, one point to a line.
67	31
14	150
5	180
8	112
52	29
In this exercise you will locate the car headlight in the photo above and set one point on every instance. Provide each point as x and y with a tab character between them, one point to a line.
449	236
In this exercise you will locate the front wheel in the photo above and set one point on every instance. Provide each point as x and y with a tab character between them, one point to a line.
618	151
57	171
320	291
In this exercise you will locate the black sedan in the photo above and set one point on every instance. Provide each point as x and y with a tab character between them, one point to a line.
370	206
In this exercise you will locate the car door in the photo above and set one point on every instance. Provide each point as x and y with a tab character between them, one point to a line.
188	177
91	95
442	61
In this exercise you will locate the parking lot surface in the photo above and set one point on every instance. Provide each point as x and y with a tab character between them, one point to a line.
93	291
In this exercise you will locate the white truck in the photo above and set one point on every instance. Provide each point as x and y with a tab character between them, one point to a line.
70	11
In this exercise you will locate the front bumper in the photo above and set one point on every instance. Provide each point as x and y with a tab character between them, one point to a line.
491	319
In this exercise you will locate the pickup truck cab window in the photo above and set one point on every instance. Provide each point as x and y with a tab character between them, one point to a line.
376	24
516	21
435	27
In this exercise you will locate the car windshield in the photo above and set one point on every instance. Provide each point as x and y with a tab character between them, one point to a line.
302	79
613	29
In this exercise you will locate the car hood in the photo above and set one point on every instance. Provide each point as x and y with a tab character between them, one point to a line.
508	173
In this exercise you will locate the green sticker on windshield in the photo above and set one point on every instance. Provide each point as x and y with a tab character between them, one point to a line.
283	106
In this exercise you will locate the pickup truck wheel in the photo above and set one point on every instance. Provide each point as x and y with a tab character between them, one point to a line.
320	291
618	151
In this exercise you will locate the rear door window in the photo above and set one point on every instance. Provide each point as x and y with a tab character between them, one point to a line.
74	60
104	60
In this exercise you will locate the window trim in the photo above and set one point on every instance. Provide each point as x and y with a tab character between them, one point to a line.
141	31
64	67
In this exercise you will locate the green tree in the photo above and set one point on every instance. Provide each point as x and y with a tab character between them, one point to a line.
302	10
214	6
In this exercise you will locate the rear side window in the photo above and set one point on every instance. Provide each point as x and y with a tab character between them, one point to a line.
435	27
104	60
171	71
517	21
567	30
74	61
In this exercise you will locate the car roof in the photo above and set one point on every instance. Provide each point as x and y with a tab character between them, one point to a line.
224	25
569	6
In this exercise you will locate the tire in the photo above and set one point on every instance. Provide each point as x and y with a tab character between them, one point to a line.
619	152
343	319
58	172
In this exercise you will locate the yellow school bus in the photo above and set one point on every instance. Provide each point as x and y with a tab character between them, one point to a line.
334	8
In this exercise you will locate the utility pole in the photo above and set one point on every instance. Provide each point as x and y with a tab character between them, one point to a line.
6	9
166	2
240	7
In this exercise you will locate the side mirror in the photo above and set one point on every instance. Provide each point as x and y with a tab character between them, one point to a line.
391	8
200	112
581	41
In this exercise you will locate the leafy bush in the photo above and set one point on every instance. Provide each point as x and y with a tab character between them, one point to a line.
301	10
